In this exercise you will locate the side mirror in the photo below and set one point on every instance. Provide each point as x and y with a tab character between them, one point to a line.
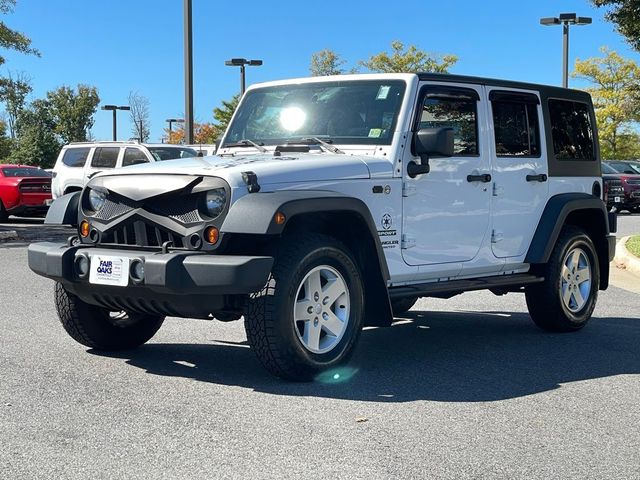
427	143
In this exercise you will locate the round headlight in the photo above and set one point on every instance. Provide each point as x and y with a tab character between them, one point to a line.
215	202
96	199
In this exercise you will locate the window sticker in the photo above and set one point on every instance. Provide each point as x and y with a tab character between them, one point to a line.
383	92
375	133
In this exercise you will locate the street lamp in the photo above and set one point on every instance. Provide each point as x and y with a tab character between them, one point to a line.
115	108
565	19
171	122
242	62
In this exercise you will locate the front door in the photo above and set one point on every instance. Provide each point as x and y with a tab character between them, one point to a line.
446	211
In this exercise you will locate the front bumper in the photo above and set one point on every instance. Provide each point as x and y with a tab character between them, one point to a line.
186	284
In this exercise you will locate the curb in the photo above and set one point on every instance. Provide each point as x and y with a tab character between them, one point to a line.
8	235
625	259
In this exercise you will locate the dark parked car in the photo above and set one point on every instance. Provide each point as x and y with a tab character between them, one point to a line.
24	191
625	166
622	190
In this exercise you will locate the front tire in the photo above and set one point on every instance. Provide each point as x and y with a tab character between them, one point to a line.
564	302
98	328
401	306
308	317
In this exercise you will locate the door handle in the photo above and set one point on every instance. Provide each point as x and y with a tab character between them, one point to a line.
483	177
537	178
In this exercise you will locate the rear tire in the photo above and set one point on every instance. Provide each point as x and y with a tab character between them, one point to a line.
308	317
98	328
565	300
4	216
401	306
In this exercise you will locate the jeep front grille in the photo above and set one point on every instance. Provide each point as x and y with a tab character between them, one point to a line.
142	234
183	209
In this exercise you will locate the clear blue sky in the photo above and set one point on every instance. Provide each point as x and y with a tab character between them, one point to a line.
120	46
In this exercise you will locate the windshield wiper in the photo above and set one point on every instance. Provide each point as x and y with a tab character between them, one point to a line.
247	143
322	143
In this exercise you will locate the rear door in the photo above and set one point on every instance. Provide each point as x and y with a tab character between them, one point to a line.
520	186
104	158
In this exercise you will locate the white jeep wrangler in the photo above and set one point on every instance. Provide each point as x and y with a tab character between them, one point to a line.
335	202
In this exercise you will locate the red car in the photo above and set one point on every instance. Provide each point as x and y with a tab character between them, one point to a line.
24	191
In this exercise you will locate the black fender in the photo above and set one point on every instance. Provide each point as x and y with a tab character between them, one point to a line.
555	215
64	210
255	214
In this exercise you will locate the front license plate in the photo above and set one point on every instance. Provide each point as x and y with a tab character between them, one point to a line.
617	199
107	270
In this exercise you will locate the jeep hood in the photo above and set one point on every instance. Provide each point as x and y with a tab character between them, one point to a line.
292	168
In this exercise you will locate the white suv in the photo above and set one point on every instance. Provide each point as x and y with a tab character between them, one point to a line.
337	202
77	162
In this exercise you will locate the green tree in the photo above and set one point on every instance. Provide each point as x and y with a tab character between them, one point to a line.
224	113
73	111
614	90
11	39
626	15
6	143
36	143
408	60
326	62
13	92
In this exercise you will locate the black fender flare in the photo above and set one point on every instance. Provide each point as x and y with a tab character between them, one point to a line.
255	214
553	219
64	210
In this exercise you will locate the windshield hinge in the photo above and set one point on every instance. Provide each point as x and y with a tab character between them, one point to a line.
407	241
251	180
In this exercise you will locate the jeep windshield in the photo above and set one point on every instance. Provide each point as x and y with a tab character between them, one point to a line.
358	112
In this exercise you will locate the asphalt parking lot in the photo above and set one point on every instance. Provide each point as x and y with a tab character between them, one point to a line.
460	388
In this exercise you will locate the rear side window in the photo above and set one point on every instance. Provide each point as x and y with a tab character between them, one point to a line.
75	157
571	130
455	108
105	157
133	156
515	124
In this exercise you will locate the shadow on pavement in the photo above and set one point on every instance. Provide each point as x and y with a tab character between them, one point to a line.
439	356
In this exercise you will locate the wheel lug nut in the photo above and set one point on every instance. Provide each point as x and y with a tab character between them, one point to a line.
310	310
316	297
325	300
325	316
315	322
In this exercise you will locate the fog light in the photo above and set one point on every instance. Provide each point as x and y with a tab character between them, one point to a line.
85	228
82	266
212	234
137	271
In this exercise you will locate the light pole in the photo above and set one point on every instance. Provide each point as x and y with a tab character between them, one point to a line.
114	109
242	62
188	73
565	19
171	122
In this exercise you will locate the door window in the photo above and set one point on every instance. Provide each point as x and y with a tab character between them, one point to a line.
455	108
75	157
133	156
105	157
515	125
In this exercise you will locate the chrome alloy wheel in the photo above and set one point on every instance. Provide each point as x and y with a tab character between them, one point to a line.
575	283
321	309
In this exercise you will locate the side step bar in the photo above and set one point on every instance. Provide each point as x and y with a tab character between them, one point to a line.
454	287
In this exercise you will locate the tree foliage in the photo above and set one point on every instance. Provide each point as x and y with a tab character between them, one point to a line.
14	92
203	133
326	62
73	111
626	15
139	115
408	60
36	143
12	39
224	113
614	90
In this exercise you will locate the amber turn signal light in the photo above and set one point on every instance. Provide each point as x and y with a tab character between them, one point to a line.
211	235
85	228
280	218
